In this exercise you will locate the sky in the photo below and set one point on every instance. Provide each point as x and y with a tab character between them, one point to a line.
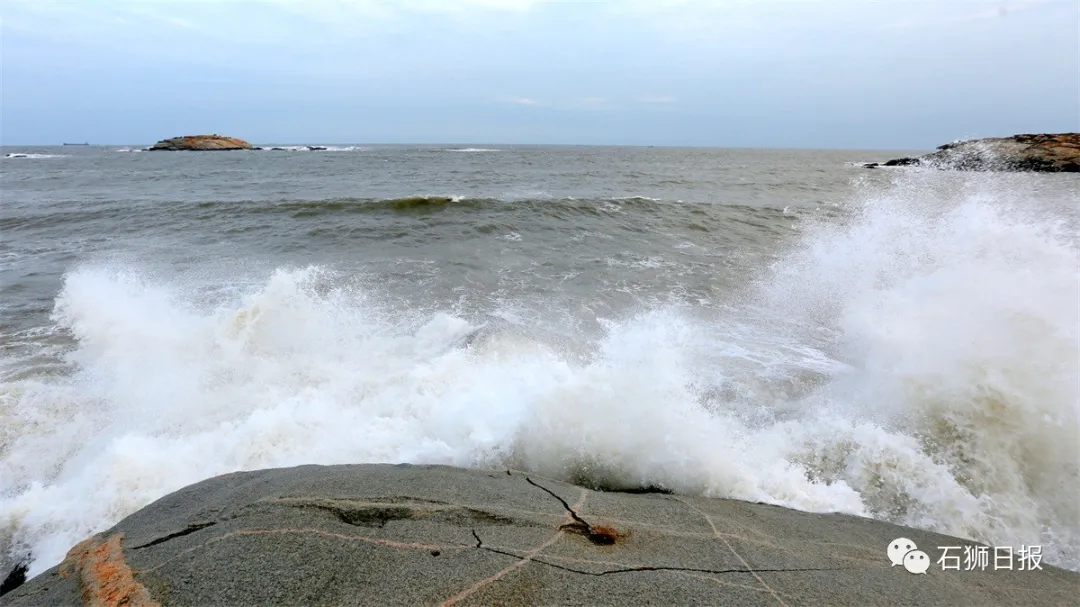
831	74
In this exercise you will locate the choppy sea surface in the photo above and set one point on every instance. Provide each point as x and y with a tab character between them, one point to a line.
770	325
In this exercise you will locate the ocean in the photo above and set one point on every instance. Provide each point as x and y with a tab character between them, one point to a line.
781	326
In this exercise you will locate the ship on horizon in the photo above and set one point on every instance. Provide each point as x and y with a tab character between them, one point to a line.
76	144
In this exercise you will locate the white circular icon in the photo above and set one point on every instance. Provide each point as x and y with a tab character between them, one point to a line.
917	561
898	548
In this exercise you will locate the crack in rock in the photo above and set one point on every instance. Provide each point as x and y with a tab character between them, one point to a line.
601	536
192	528
481	546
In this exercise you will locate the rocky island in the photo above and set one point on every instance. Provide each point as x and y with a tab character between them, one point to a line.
201	143
1048	153
434	535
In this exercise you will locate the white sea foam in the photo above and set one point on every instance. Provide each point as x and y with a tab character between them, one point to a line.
472	150
918	365
962	411
319	148
34	156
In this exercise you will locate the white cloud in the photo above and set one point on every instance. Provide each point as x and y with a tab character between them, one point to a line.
500	5
566	103
178	22
1006	9
592	102
946	14
903	23
522	101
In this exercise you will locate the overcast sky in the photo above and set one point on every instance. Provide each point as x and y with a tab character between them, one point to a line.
829	74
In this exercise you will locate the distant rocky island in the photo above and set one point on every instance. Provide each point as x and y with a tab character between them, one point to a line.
201	143
215	143
1044	153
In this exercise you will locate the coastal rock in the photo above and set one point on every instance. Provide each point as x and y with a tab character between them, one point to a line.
200	143
434	535
1050	153
901	162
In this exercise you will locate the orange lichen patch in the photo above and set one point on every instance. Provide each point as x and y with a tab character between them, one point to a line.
104	576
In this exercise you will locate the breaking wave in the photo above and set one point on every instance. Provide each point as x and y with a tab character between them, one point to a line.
917	364
34	156
315	148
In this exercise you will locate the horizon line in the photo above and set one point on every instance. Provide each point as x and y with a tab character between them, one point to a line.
507	144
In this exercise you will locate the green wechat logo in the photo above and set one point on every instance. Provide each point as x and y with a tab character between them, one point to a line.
903	551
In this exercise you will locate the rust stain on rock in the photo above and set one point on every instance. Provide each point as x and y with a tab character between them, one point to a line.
599	534
104	575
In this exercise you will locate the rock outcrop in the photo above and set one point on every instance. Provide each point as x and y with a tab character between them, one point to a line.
434	535
201	143
1049	153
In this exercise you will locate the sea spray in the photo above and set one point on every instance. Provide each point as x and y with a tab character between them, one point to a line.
917	364
959	316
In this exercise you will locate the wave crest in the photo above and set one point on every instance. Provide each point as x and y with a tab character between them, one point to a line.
917	364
